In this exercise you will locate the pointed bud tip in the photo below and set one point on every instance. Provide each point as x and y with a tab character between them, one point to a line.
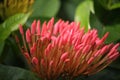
21	29
64	56
28	36
35	61
26	55
33	27
38	27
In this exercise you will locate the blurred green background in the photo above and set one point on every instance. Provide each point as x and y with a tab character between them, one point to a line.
103	15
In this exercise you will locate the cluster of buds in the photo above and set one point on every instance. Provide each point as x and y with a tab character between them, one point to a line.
11	7
64	50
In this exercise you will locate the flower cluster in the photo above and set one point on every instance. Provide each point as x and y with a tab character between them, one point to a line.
64	49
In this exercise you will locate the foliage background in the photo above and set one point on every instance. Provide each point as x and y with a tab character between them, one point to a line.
103	15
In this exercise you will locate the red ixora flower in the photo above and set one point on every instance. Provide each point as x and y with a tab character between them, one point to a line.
64	50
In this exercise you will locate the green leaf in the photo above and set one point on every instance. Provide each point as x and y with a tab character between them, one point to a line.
31	19
11	54
116	64
107	17
67	10
46	8
95	23
11	24
110	4
1	47
14	73
114	31
83	12
106	74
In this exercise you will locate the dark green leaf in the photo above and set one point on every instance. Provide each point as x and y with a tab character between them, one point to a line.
11	54
14	73
106	74
110	4
46	8
107	17
31	19
68	8
95	23
1	47
11	24
116	64
114	31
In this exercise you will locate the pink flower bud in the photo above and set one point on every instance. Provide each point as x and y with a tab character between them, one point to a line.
86	49
21	29
116	46
64	56
33	49
44	29
90	60
105	36
78	53
97	53
67	60
35	61
51	63
99	42
50	24
70	36
33	27
114	56
47	50
27	55
38	27
28	36
104	50
113	50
